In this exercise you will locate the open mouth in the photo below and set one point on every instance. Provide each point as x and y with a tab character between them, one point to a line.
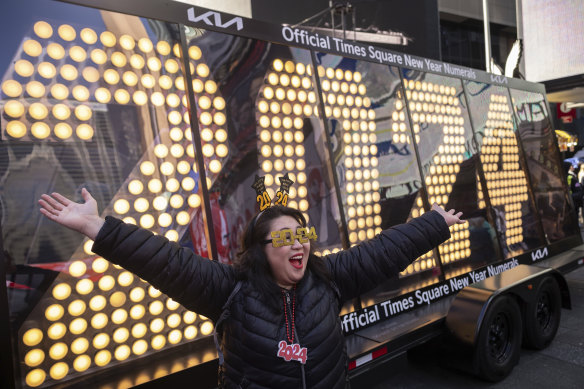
296	261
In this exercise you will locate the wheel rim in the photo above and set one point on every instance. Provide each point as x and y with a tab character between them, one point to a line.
499	338
544	312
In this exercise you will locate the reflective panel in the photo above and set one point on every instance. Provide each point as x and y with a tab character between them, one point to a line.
539	143
504	169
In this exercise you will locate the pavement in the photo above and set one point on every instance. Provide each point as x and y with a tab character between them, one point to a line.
559	366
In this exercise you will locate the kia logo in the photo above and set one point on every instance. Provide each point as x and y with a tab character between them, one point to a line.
213	18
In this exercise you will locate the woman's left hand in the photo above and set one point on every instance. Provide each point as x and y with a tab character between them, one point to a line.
451	217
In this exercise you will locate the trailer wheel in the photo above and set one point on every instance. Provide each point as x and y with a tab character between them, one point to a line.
542	316
499	340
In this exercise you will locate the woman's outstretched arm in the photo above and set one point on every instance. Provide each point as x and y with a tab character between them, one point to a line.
365	266
83	218
196	282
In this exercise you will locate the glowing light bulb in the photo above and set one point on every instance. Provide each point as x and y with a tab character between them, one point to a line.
163	48
40	130
43	29
14	108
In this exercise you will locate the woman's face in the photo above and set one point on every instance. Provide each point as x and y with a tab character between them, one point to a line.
288	263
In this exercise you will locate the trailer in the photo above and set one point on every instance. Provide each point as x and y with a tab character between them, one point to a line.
167	112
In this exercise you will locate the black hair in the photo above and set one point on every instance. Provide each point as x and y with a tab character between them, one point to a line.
251	261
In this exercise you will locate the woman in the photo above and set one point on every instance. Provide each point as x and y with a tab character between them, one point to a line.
280	327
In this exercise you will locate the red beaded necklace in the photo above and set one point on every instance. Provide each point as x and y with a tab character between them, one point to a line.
290	339
292	351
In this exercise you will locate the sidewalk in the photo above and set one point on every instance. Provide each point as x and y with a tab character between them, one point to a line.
560	366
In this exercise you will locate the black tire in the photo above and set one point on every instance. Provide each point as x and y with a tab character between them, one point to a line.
541	317
499	341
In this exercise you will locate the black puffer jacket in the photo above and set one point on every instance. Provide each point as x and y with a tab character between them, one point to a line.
256	323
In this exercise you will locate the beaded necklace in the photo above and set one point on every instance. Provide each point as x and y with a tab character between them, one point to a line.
292	351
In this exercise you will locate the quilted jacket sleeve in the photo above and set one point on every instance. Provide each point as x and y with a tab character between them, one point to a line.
363	267
195	282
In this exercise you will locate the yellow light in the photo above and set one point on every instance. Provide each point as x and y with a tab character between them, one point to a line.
165	82
145	45
121	335
97	303
163	48
210	87
122	96
206	328
13	88
83	112
99	321
23	68
174	336
179	82
126	278
146	221
154	64
173	100
177	151
76	308
47	70
97	55
157	99
122	352
106	283
173	320
140	97
154	186
58	351
148	81
77	54
56	331
84	131
166	168
59	370
137	312
40	130
38	111
66	32
84	286
101	340
127	42
119	316
139	330
102	358
158	342
157	325
195	52
79	346
81	363
34	357
103	95
137	61
32	48
33	336
43	29
140	347
88	36
121	206
155	308
99	265
194	201
61	291
117	299
78	326
176	201
14	108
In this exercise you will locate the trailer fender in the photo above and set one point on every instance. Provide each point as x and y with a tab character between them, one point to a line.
470	305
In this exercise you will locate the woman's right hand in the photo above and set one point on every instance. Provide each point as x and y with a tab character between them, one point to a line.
83	218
